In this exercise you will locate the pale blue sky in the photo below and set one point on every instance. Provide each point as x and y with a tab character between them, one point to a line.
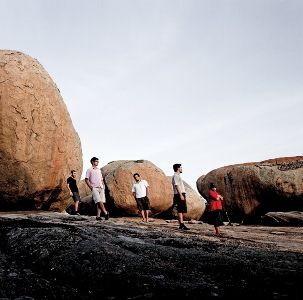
204	83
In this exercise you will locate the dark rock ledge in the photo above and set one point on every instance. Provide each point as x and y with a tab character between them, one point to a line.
57	256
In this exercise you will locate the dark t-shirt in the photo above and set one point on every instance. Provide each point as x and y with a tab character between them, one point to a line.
72	184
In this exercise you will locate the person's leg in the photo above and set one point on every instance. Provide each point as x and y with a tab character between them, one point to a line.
102	206
218	221
182	209
217	230
141	208
97	200
99	210
76	206
143	215
146	207
180	218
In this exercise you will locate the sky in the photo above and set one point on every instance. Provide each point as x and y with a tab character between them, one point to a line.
205	83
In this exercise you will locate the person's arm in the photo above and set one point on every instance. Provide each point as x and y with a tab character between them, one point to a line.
102	180
70	191
177	185
180	193
134	191
214	195
147	188
88	184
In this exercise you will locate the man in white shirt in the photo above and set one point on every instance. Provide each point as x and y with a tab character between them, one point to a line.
94	181
140	191
179	195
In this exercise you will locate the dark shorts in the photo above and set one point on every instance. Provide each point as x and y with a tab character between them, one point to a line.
76	196
181	204
216	218
143	203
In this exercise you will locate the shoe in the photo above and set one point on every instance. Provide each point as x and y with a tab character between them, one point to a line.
107	216
76	213
183	227
98	218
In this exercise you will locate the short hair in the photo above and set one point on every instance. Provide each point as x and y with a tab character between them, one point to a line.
176	167
212	185
93	159
136	174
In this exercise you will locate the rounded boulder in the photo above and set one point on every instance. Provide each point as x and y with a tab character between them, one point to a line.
38	143
118	177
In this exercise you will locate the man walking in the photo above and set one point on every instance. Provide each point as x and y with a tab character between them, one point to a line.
179	195
94	181
74	191
140	191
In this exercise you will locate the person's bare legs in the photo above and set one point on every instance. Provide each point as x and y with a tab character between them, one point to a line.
181	222
76	206
180	218
146	212
217	230
102	207
98	209
143	215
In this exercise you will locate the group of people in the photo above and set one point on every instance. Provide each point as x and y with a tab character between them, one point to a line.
140	190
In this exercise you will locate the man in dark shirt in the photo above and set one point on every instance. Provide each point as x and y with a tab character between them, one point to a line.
74	191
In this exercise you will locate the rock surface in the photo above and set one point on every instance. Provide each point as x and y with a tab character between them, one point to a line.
290	218
56	256
38	143
252	189
118	177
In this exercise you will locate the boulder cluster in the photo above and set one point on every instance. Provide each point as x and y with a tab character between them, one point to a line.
39	146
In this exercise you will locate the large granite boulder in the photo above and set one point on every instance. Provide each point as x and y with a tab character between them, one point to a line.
38	143
118	177
253	189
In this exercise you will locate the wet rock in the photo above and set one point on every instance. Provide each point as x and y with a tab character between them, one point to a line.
124	259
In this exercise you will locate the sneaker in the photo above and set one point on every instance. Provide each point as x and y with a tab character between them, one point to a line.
98	218
107	216
183	227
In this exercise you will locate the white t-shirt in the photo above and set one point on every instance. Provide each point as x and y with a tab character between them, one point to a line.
177	180
140	188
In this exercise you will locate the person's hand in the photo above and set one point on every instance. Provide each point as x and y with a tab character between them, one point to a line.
71	193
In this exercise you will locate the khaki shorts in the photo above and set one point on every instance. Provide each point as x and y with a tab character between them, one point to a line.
98	195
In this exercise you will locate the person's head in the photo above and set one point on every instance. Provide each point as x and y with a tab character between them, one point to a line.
73	173
212	186
94	161
137	177
177	167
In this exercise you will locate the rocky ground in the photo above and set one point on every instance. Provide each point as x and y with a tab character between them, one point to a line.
59	256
